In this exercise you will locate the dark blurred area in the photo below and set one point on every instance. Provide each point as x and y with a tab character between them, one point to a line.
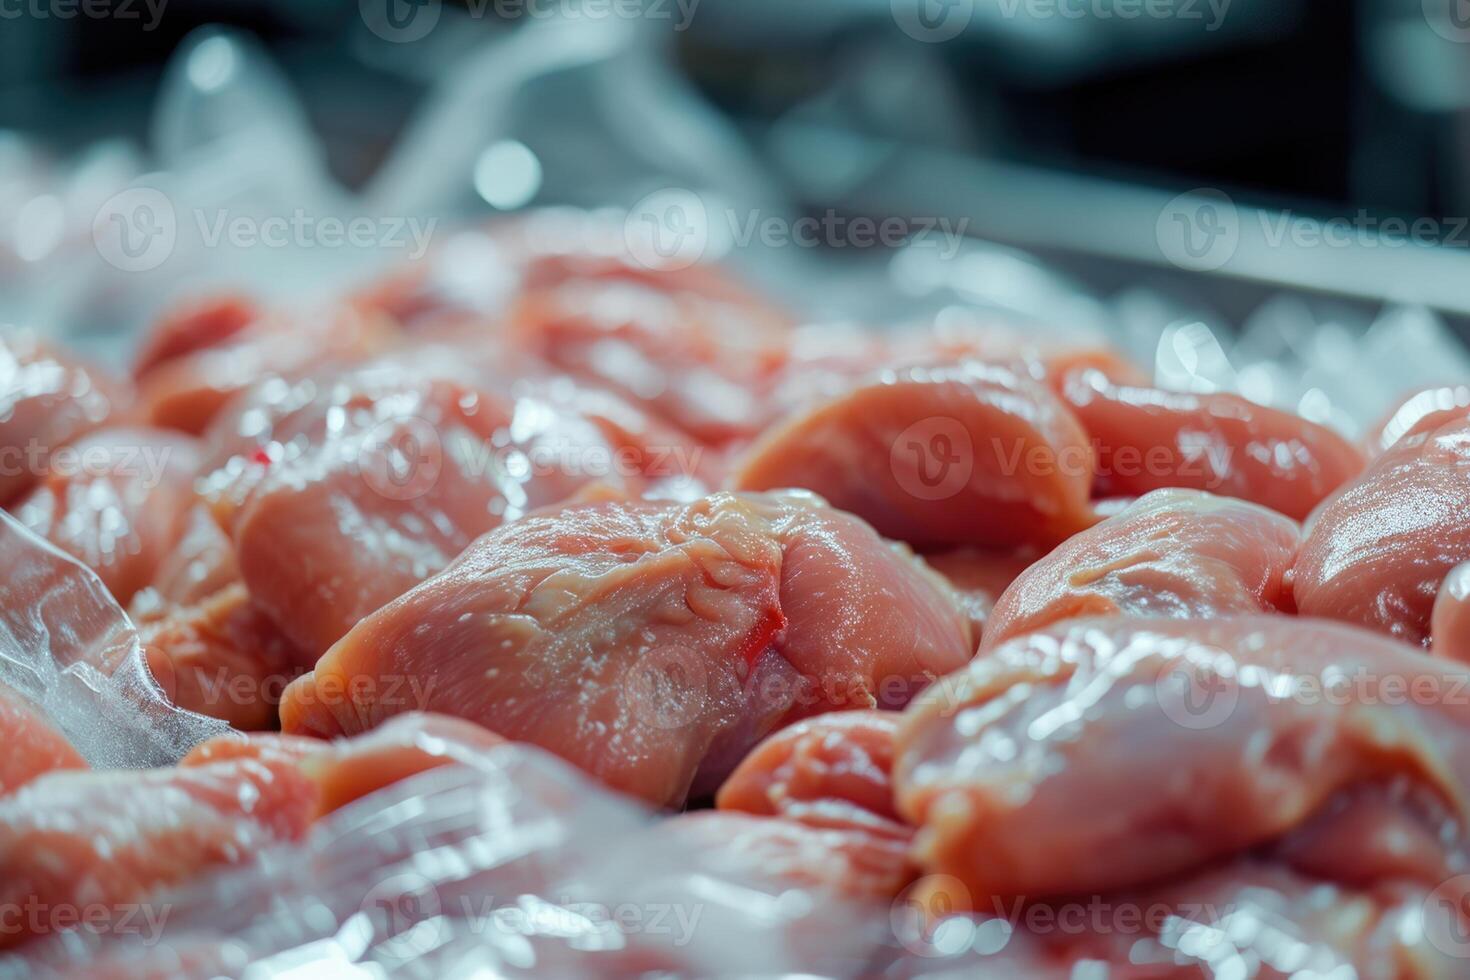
1280	101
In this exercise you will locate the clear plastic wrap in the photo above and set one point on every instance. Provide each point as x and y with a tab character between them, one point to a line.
67	646
516	866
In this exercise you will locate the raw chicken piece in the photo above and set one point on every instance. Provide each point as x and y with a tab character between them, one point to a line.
343	493
32	745
121	507
1423	411
219	656
650	644
347	770
1110	753
1377	553
188	390
1449	628
1146	439
397	749
201	563
480	274
691	346
106	841
46	401
103	842
831	771
212	650
195	326
979	578
696	363
970	453
1178	554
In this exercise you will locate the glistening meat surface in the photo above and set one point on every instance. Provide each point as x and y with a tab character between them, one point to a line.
968	453
1377	554
344	492
1177	554
121	508
651	644
1147	438
1111	753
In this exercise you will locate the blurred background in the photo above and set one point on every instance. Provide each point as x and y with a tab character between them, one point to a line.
1288	173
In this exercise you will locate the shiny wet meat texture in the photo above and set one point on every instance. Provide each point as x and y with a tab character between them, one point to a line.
979	577
1110	753
109	839
47	399
1147	438
1422	411
650	644
1378	553
342	493
974	638
970	453
219	656
118	501
33	746
346	770
1177	554
194	364
833	770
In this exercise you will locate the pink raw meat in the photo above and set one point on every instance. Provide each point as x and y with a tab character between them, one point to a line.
651	644
1378	552
1147	438
1178	554
1111	753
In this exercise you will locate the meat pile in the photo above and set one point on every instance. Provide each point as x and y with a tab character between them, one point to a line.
555	579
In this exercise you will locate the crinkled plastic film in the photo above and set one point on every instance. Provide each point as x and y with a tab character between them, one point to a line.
67	646
519	866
